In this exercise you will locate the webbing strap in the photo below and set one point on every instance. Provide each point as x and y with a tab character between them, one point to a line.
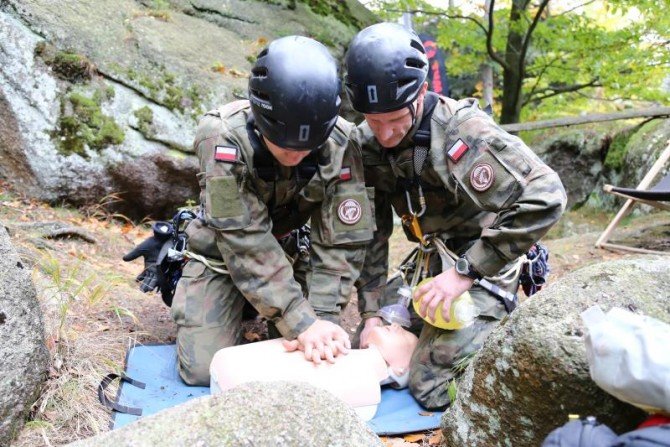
113	404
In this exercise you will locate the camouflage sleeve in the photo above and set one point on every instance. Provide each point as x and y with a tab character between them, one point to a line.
341	226
372	281
506	177
254	258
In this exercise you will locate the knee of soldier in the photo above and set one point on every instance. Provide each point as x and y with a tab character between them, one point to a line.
196	348
196	374
428	388
193	360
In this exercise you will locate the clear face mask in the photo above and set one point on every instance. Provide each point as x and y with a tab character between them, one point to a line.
398	313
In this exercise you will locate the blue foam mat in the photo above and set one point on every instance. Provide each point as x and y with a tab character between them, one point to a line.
156	366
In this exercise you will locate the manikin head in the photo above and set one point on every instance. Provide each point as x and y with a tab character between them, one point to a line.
395	344
387	68
294	94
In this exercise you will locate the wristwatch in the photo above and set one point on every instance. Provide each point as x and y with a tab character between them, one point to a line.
464	268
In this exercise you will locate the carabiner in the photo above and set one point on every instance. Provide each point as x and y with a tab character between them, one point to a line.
422	202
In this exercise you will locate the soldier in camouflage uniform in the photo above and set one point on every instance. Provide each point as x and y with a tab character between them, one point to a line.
267	166
455	176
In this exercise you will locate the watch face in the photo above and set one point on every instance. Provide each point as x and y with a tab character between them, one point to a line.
462	266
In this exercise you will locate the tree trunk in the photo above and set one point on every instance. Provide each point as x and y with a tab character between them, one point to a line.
487	69
514	73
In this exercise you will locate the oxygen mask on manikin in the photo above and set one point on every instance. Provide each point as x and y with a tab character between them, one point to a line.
398	312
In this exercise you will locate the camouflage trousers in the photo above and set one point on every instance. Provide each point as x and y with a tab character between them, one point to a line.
440	355
208	311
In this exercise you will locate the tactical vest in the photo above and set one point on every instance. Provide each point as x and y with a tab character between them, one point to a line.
285	217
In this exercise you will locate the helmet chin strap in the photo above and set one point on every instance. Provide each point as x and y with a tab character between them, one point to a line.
412	111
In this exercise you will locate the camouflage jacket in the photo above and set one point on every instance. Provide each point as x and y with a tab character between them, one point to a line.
488	196
246	209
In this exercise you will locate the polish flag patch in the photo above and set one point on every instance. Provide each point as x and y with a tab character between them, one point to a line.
225	153
345	173
457	150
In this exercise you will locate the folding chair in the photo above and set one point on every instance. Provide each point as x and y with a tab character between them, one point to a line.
655	196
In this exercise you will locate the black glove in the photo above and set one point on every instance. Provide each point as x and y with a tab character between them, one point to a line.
149	249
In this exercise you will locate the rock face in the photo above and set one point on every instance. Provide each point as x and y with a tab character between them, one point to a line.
277	414
532	371
586	160
88	87
577	158
22	350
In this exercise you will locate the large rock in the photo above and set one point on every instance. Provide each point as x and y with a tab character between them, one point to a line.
87	87
277	414
532	371
629	158
576	156
22	350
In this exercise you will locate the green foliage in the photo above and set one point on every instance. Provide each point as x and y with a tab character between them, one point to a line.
71	283
67	65
600	56
163	87
82	124
145	118
333	8
616	153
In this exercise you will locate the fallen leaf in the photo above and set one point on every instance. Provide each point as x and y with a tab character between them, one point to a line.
436	439
251	336
237	73
414	437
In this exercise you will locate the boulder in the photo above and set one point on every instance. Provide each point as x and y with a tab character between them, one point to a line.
86	88
629	157
22	350
576	155
273	414
532	371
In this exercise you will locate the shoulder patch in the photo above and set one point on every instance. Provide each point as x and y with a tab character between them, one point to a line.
482	177
457	150
349	211
345	173
228	154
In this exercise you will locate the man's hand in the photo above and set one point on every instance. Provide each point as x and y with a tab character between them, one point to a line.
369	324
322	340
442	290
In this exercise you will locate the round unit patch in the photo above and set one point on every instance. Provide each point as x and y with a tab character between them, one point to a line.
349	211
482	177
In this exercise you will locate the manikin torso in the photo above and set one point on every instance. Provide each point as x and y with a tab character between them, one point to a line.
354	378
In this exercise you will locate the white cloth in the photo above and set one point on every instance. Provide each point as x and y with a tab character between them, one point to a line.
629	357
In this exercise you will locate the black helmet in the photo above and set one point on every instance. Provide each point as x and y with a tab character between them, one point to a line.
386	67
294	92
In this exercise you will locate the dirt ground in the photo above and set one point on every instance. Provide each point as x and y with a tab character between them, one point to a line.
94	311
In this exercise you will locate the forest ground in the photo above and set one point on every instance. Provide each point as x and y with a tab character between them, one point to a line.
94	311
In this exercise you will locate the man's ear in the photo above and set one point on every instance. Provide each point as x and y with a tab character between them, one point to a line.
422	94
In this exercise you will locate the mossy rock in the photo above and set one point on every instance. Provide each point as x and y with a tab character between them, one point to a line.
82	124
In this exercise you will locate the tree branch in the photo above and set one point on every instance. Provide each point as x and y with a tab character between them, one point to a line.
539	76
576	7
529	33
555	91
489	39
443	14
